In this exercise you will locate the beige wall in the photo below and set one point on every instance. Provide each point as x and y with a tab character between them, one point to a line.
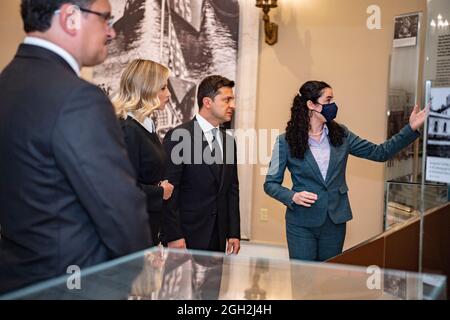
11	33
328	40
319	39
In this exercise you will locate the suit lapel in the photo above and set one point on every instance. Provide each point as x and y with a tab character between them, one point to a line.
332	163
224	157
309	157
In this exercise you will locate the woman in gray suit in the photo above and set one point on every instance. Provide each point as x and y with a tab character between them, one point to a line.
315	150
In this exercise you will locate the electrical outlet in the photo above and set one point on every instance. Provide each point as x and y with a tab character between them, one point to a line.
264	214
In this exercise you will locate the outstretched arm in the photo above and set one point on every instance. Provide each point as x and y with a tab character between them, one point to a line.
383	152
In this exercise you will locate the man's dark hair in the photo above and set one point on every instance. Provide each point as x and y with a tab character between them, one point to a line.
209	87
37	14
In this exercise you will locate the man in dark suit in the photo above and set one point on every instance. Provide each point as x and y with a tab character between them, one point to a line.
67	190
203	212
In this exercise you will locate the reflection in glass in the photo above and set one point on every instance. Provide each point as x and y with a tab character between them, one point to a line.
191	275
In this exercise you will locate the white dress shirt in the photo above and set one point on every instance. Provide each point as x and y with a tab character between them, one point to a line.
55	49
321	151
206	128
148	124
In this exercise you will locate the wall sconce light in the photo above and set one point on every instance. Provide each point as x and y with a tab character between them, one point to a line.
270	28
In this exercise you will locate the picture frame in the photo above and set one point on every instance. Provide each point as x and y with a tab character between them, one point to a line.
406	30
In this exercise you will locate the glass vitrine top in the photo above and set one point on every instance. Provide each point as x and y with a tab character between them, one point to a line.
158	273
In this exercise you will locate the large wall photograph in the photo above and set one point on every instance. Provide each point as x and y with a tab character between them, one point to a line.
194	38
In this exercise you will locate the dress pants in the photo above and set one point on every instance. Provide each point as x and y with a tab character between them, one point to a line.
315	243
214	243
207	269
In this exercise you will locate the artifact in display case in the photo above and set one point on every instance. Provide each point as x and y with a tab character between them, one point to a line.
398	213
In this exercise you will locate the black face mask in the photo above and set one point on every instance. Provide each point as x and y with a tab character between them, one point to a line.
329	111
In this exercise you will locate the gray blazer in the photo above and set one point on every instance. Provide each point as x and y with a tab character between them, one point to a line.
333	191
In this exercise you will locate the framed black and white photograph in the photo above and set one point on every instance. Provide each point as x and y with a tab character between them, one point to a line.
193	38
438	135
406	30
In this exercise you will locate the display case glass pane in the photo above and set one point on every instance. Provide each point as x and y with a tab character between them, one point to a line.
171	274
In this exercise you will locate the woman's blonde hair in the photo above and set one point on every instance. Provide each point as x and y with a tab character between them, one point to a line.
139	86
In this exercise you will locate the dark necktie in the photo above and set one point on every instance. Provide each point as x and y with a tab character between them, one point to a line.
216	151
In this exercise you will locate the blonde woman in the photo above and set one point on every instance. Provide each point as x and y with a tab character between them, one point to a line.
143	89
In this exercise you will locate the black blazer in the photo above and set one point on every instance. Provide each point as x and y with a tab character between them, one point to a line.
67	190
149	160
199	194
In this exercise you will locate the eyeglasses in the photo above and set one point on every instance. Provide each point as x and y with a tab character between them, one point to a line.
104	15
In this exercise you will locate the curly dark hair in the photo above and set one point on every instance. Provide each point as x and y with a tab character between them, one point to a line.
299	124
37	14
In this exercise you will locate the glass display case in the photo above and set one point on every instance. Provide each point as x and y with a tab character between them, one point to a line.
162	274
404	200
